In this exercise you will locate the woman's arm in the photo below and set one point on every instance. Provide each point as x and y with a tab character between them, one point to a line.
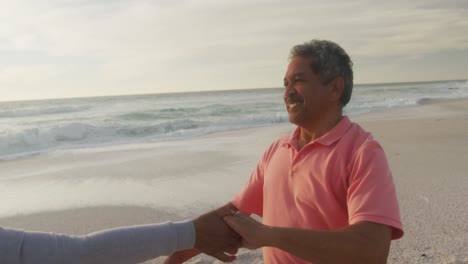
122	245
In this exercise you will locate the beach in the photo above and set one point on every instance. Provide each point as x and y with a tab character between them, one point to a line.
85	190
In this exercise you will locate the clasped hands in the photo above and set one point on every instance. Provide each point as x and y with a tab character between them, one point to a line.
220	233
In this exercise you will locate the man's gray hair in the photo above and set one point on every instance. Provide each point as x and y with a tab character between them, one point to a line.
329	61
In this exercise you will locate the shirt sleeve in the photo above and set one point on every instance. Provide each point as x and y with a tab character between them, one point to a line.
123	245
250	198
371	193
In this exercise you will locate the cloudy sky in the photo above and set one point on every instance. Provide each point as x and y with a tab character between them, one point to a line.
71	48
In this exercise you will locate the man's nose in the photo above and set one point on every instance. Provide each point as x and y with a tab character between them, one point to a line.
289	89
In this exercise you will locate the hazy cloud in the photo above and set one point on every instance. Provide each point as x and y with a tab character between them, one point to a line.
122	47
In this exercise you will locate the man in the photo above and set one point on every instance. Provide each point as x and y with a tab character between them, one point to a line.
325	192
123	245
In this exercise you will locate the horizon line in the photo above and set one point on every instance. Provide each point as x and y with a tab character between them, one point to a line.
206	91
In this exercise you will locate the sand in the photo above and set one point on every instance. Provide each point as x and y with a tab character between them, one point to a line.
83	191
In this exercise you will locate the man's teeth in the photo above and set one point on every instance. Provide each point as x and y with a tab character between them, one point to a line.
293	105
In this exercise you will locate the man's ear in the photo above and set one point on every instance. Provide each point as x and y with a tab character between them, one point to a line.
336	87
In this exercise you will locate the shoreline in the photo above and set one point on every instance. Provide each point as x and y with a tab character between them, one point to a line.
151	143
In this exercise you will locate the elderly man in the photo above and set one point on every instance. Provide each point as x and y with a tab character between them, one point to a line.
325	192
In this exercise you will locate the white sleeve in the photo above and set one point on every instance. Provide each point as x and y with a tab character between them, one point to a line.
125	245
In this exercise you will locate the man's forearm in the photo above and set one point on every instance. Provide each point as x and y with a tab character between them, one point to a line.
361	243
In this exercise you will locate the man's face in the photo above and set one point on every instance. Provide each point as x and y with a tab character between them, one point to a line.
306	98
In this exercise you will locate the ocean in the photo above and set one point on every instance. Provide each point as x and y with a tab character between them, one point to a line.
45	126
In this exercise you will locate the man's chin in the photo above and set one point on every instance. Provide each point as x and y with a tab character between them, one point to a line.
294	120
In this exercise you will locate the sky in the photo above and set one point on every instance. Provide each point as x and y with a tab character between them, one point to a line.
76	48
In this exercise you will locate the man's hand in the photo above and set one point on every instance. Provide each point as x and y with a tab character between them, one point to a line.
253	233
363	242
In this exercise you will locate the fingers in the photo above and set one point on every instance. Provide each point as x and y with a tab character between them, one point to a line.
232	220
251	231
231	250
224	257
239	220
237	215
228	209
241	214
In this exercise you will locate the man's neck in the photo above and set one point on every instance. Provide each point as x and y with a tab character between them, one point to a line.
311	133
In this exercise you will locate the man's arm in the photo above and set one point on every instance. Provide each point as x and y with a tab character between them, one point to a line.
214	237
360	243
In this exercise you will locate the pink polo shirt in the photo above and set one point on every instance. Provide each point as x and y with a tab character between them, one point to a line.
337	180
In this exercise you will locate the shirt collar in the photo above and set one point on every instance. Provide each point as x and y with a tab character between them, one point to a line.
335	134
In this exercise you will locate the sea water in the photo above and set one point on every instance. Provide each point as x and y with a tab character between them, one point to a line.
43	126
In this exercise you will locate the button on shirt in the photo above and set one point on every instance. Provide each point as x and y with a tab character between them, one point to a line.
337	180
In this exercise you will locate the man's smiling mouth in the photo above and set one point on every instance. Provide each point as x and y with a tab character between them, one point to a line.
292	103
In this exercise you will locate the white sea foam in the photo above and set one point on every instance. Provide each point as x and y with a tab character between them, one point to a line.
33	111
33	127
